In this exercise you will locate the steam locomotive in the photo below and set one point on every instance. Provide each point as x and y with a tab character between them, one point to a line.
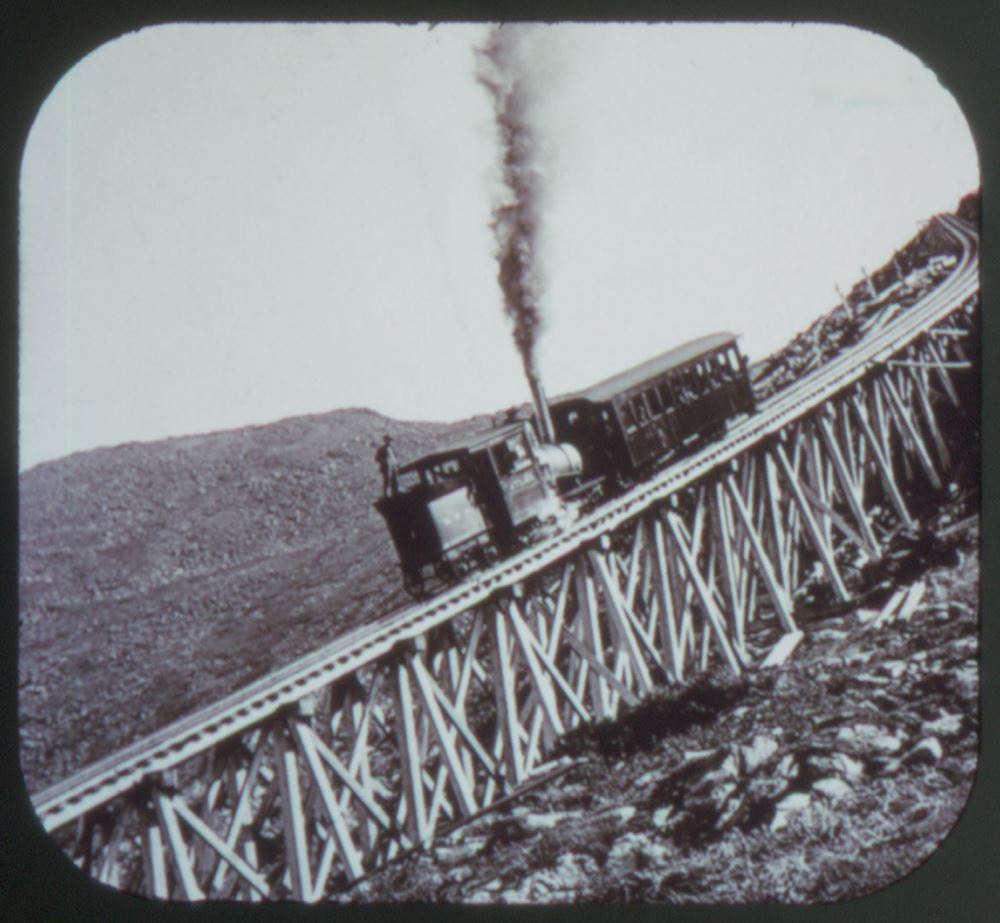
469	504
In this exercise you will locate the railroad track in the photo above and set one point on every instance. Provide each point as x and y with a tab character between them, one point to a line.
263	699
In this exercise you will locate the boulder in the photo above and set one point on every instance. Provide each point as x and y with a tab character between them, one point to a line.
568	877
535	822
656	855
732	809
623	814
947	724
759	751
624	854
868	738
832	788
724	775
661	816
790	805
928	750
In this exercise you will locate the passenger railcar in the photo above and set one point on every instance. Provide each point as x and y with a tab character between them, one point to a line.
633	422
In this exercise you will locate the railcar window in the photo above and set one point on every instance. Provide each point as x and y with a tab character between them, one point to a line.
663	392
655	404
628	417
699	381
681	387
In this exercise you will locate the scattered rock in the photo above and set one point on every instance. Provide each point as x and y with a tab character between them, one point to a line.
694	758
966	677
731	809
895	668
765	787
661	816
872	680
928	750
484	894
789	806
760	750
868	738
855	657
622	814
656	854
624	854
723	774
784	683
648	778
450	855
788	767
545	821
719	794
567	878
947	724
847	767
832	788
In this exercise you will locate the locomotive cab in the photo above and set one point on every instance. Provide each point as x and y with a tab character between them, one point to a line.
462	507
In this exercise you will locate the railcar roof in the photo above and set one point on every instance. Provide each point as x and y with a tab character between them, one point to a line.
463	446
680	355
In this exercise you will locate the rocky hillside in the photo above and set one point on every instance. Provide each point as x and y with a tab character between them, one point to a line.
155	578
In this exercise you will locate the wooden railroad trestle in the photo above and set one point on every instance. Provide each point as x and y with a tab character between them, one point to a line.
441	725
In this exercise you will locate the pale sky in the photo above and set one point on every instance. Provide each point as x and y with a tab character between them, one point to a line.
227	225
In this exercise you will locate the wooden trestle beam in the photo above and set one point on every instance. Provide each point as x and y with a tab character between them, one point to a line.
443	725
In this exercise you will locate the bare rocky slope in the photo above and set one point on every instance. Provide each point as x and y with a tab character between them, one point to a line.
824	779
157	577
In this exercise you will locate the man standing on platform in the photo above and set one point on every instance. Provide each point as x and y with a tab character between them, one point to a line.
386	458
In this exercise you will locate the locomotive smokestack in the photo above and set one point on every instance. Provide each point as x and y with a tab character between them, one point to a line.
542	415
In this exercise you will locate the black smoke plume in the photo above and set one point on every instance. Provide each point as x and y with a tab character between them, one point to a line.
516	218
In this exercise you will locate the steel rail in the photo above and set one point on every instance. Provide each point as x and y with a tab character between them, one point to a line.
127	768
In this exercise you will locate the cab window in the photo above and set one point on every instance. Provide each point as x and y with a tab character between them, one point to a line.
512	454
